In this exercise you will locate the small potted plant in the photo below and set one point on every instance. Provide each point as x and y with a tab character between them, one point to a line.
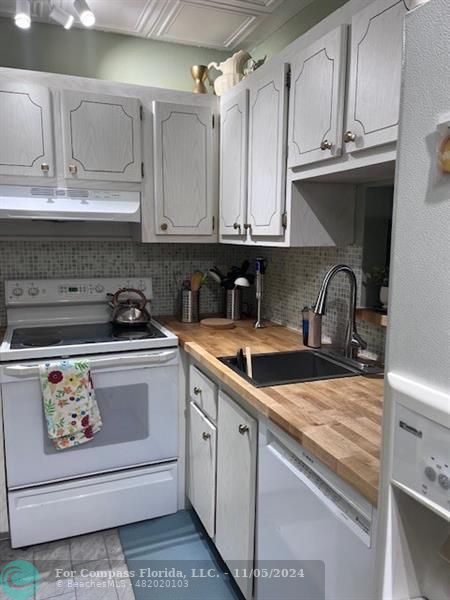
378	279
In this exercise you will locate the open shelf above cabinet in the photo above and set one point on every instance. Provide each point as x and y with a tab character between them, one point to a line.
371	315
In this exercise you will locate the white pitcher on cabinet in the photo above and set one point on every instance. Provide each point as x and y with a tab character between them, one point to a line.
232	71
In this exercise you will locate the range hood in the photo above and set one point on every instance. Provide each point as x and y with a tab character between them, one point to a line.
66	204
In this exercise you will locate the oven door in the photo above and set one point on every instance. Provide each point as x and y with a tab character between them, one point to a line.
137	395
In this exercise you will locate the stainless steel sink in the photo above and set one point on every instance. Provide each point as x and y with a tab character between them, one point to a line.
280	368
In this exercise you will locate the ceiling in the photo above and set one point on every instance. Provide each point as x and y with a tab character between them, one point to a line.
221	24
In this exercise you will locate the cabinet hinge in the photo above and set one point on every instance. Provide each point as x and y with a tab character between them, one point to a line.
141	112
288	78
213	223
284	220
142	170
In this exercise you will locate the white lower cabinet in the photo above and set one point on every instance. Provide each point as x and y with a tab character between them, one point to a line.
221	475
236	485
202	467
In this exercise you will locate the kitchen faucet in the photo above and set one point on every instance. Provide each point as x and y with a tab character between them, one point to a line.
353	341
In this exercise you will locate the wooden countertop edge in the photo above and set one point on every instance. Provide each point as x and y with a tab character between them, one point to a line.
270	408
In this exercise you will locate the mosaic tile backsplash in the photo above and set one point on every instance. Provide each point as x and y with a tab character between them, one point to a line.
292	281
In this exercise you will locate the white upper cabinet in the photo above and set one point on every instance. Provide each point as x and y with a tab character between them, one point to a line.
375	72
267	152
26	130
183	169
233	164
316	107
101	137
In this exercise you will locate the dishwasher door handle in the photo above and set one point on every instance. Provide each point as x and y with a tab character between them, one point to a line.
99	363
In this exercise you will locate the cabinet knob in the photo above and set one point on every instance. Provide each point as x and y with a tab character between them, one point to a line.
349	136
73	169
45	168
444	481
164	226
206	435
197	391
237	226
247	226
243	429
326	145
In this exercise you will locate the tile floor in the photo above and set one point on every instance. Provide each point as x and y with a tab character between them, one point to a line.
95	558
96	566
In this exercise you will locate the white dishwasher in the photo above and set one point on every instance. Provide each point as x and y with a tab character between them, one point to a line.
306	513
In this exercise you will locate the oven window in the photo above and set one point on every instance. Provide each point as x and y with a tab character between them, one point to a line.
124	411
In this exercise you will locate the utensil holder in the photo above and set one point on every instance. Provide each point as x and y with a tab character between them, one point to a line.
190	301
234	303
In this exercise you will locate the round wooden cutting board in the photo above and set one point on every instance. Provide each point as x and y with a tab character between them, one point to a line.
216	323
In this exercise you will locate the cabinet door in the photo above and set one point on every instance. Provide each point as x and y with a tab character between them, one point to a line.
236	482
26	128
267	153
102	137
375	72
316	108
233	164
183	169
202	467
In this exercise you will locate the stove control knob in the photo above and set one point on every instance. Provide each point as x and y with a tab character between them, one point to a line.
17	291
33	291
430	473
444	481
99	288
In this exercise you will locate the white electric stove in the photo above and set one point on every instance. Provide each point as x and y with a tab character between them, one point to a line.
128	471
49	318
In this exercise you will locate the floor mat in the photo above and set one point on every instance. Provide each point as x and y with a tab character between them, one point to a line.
172	558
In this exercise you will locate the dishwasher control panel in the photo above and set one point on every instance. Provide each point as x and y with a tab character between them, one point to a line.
422	456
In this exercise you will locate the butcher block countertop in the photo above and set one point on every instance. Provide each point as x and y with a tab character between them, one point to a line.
338	420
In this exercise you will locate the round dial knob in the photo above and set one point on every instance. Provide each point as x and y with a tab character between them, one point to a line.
444	481
99	288
33	291
17	291
430	473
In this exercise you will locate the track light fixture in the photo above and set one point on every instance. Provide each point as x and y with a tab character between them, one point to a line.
62	17
22	17
23	14
86	15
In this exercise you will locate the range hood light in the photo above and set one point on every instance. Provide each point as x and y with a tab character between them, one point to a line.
23	14
86	15
62	17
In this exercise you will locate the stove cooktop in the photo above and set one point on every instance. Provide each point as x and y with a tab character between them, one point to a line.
70	335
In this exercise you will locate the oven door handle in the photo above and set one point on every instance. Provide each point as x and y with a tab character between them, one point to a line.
99	363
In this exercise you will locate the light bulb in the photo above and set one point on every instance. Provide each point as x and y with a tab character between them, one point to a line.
62	17
23	14
86	15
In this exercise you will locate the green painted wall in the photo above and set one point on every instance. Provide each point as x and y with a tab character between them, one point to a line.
295	27
101	55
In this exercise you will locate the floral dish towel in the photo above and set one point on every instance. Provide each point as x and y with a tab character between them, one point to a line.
70	407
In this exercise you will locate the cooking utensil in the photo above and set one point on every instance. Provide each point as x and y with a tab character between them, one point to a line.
240	363
129	311
242	282
197	280
248	359
216	275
